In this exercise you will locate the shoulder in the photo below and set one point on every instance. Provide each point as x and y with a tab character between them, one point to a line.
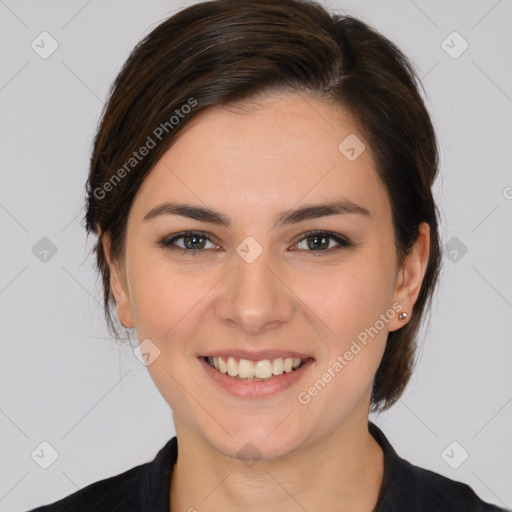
108	494
410	488
143	487
437	492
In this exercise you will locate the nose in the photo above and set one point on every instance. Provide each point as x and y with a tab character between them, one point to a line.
254	295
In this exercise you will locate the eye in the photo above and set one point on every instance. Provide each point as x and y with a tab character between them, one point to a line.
193	241
320	241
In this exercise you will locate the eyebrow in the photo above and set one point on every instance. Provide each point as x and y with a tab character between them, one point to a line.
293	216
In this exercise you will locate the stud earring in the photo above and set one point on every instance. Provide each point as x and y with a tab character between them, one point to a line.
402	316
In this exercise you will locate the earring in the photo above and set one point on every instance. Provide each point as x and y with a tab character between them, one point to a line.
402	316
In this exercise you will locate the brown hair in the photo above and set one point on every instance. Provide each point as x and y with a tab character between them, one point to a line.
226	51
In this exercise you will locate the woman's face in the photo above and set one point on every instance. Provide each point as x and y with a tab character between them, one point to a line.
259	286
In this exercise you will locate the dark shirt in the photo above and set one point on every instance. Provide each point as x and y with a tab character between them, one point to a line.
405	487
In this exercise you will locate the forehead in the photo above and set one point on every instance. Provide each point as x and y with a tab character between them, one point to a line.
274	151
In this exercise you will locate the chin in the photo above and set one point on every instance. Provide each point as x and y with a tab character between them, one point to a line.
256	438
249	450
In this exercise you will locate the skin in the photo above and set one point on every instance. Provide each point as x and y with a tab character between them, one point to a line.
278	153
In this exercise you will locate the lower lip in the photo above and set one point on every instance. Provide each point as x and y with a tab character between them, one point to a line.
255	388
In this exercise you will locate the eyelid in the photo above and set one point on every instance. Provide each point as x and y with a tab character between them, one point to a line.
169	240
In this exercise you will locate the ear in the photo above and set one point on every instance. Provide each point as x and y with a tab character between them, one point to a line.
118	285
410	276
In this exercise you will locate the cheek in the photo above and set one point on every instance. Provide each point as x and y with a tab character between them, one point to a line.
168	310
351	307
355	303
163	298
350	297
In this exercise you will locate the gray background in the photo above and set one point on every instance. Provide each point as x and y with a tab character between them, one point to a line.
63	381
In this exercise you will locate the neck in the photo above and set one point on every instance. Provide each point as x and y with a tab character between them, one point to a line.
341	472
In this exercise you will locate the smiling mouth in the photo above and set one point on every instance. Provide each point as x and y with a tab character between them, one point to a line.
243	369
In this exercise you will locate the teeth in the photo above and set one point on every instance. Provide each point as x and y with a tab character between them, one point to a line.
232	367
245	369
277	366
221	364
263	369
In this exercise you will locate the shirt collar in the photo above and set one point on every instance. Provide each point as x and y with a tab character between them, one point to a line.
398	484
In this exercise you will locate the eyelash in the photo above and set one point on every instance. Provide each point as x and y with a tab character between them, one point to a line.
343	242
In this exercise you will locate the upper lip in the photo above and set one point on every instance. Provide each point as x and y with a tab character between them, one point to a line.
260	355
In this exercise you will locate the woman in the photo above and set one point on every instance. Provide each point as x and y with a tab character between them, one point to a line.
261	189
